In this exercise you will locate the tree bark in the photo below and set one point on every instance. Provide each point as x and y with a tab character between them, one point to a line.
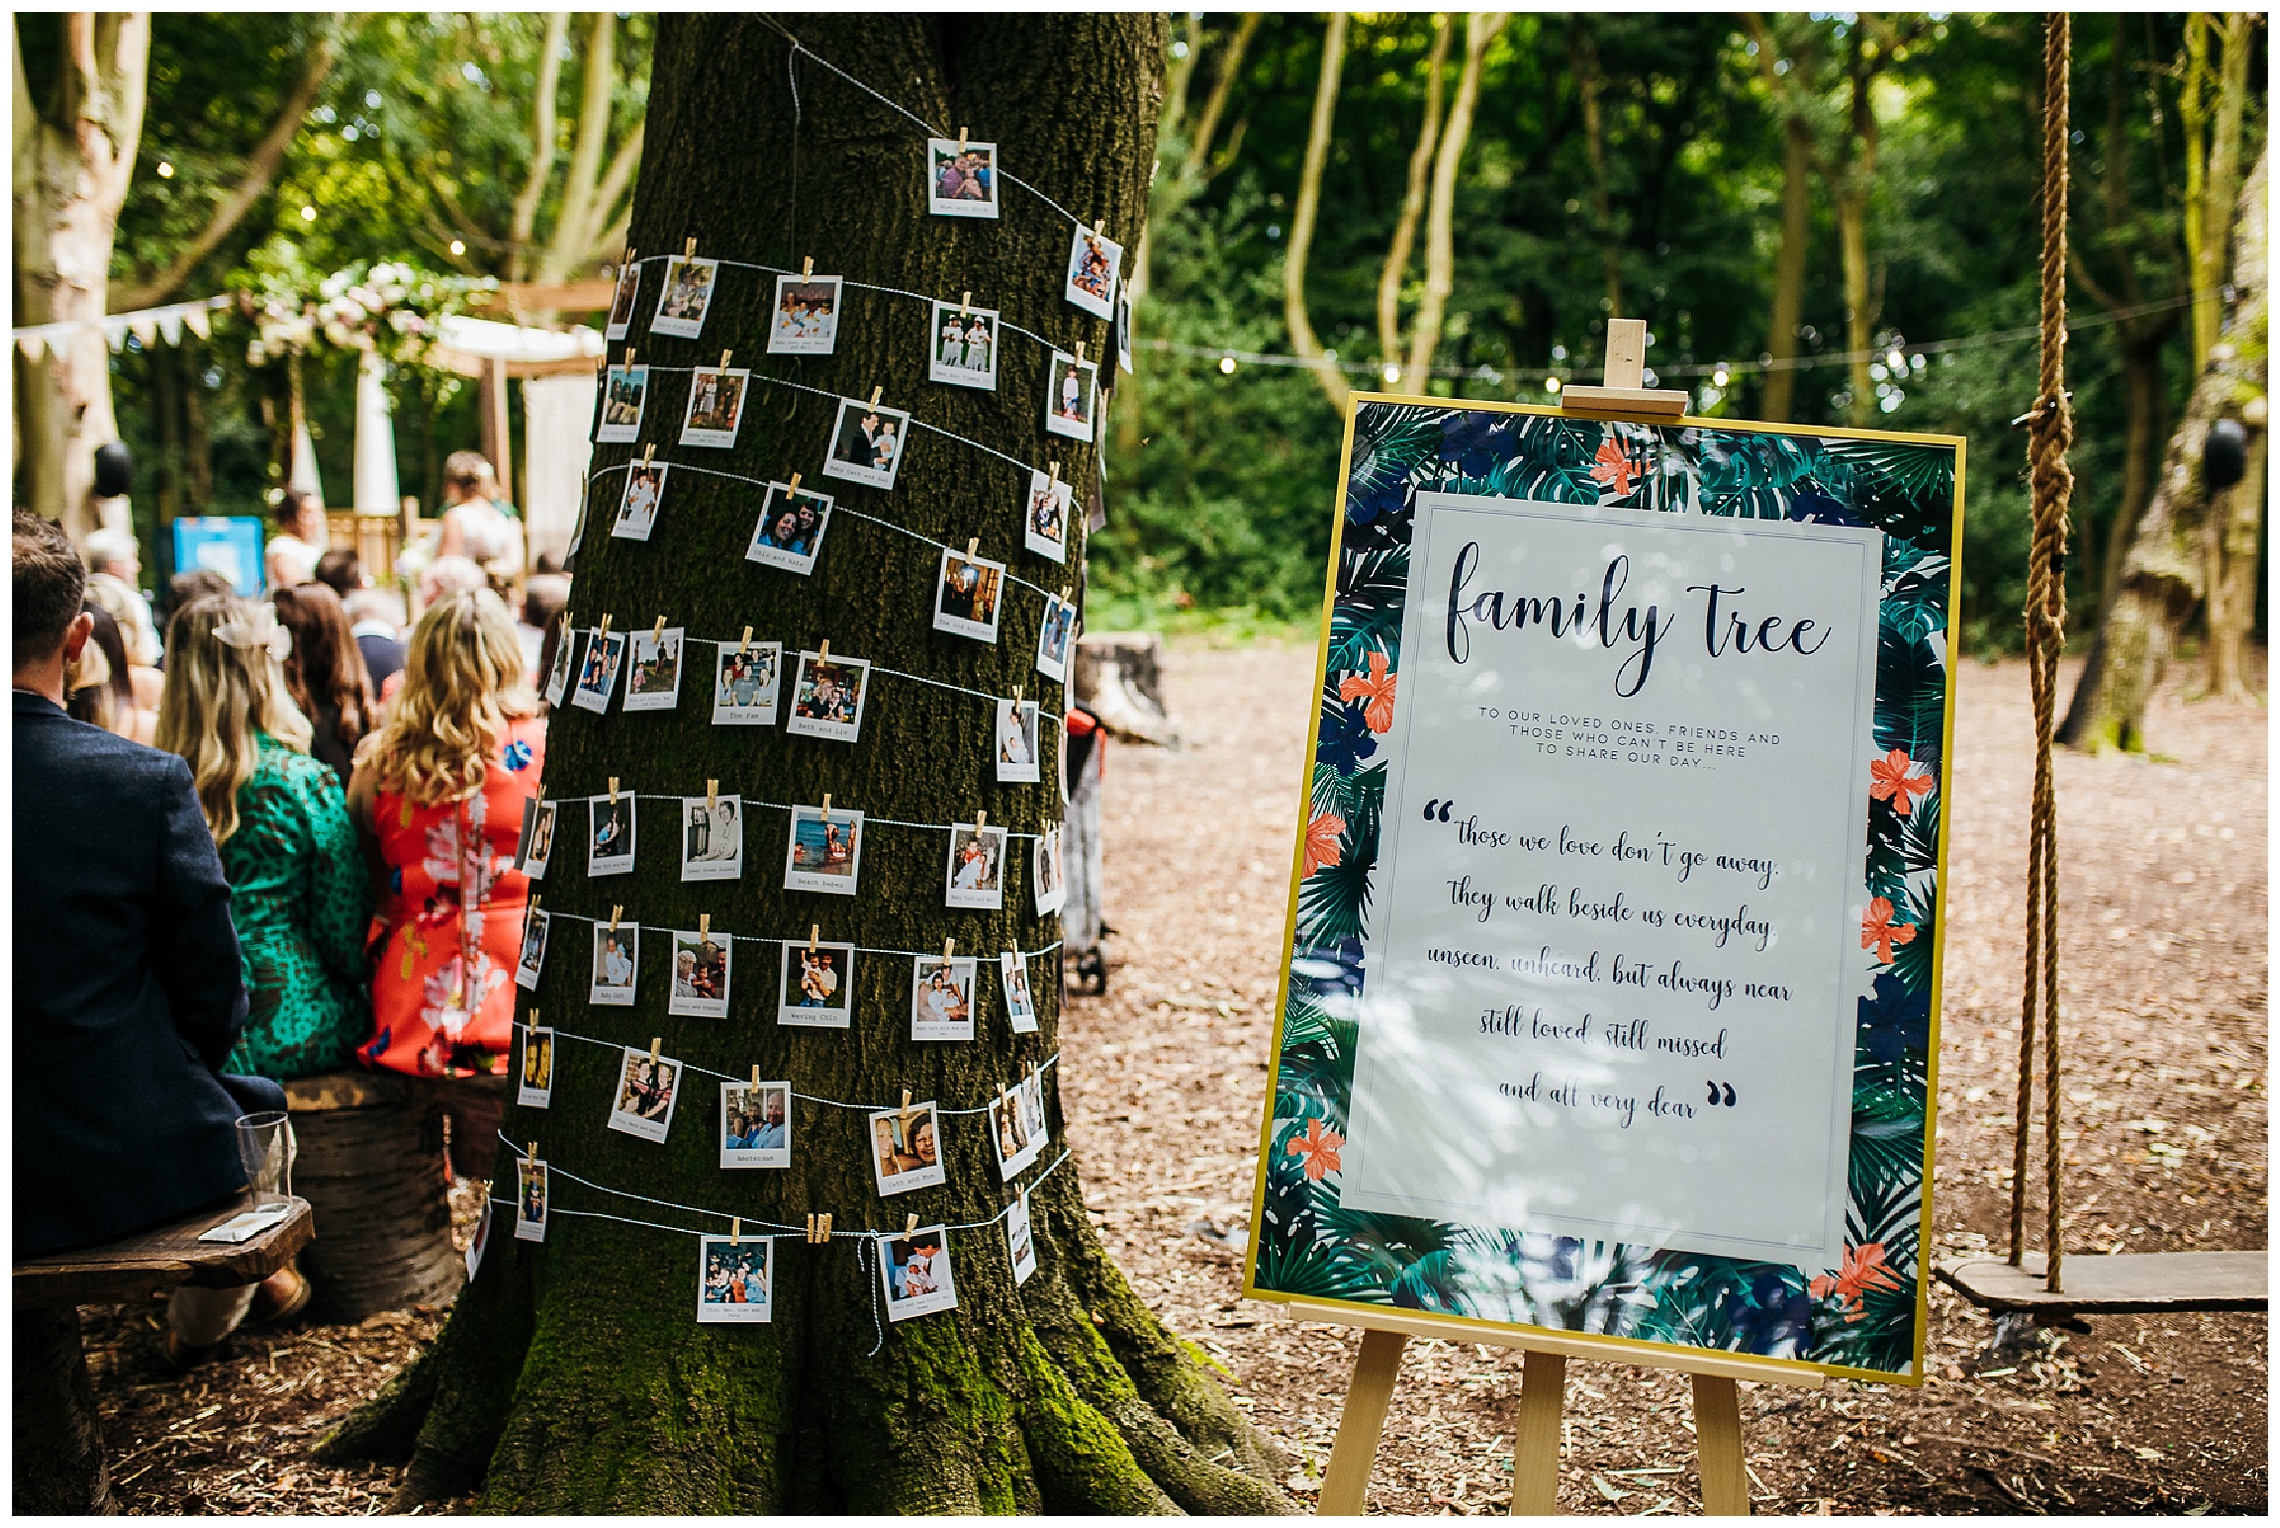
2165	578
74	155
572	1376
1481	28
1850	194
523	228
1590	81
1302	338
1396	269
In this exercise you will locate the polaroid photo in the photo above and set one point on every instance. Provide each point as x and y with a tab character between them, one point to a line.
700	975
827	698
1123	340
1020	1245
961	178
482	1242
819	985
536	845
790	532
625	393
825	852
1031	1093
536	1086
530	1200
976	877
1055	637
967	596
617	956
716	406
962	346
578	526
1045	519
942	997
620	321
609	842
1017	742
867	443
1020	1005
1072	396
637	509
1045	872
688	294
653	680
533	957
597	676
712	838
905	1154
746	682
916	1272
1094	259
565	655
733	1277
646	1093
1010	1136
806	320
755	1124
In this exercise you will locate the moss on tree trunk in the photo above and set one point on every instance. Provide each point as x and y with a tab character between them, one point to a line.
573	1376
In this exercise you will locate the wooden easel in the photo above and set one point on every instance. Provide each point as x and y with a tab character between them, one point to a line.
1543	1400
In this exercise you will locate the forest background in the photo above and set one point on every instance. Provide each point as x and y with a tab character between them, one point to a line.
1826	218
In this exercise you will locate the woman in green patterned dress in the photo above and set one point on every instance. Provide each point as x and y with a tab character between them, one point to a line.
298	887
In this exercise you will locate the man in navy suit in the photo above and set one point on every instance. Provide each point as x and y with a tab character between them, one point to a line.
127	988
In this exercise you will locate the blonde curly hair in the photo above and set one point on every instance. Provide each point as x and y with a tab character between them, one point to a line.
464	680
224	683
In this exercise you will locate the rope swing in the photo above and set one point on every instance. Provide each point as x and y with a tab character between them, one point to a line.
2050	432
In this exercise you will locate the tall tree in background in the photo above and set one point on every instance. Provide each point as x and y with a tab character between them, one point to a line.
571	1376
2187	544
2211	102
75	146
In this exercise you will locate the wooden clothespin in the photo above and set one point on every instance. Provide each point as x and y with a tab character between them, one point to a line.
531	1155
690	251
605	627
966	303
823	652
704	927
712	790
961	140
613	790
815	933
910	1226
807	266
756	1074
744	643
1055	473
1017	697
628	361
827	806
534	901
649	453
981	821
1080	352
949	948
875	396
906	1111
725	357
655	1041
973	545
735	1230
792	488
657	637
630	252
616	911
819	1227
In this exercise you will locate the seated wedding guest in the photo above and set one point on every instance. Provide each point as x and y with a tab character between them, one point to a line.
291	557
99	686
438	797
127	989
114	581
474	524
375	617
298	889
324	674
340	571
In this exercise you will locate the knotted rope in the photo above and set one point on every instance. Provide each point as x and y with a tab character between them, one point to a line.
2050	427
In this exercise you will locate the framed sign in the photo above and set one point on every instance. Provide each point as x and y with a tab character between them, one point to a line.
1612	993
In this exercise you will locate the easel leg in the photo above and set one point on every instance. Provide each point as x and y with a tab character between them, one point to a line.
1345	1485
1718	1442
1536	1451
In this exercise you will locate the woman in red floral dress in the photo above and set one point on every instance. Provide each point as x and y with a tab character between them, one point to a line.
438	794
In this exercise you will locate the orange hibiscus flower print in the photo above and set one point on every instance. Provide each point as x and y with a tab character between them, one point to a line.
1320	1149
1614	466
1898	779
1322	835
1864	1269
1879	933
1377	689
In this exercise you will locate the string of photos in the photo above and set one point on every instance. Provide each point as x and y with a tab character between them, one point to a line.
823	843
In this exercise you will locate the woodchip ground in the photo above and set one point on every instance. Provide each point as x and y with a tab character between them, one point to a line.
2164	897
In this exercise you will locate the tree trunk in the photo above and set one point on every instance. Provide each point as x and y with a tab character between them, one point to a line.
1396	268
74	155
2165	578
1481	28
572	1376
1590	82
2232	578
1789	266
1309	202
2141	378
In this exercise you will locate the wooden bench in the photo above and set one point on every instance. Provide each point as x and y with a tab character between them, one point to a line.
59	1441
371	1161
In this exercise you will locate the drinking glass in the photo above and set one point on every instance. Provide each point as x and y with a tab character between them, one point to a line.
265	1146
